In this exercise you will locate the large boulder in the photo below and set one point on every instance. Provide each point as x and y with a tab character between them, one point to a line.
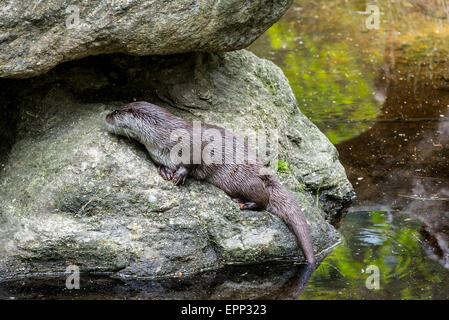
37	35
72	193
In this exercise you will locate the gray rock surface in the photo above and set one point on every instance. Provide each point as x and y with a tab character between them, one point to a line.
71	193
37	35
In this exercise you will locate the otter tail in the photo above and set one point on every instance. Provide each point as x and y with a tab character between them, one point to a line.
282	204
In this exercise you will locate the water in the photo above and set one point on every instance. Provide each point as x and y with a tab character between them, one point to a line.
269	281
382	97
390	241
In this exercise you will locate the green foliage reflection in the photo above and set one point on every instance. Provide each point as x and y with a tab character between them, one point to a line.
328	81
391	244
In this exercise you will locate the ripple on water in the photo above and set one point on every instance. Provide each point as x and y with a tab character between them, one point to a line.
392	243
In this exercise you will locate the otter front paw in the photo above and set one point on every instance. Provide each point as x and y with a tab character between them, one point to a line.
165	172
179	177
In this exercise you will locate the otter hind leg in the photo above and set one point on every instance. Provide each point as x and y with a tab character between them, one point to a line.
249	206
255	203
165	172
179	177
237	200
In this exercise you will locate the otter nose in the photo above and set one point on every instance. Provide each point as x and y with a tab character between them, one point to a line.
108	118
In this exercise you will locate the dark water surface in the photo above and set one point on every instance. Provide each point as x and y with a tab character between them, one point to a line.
382	97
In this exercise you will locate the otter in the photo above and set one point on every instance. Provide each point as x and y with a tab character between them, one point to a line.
237	172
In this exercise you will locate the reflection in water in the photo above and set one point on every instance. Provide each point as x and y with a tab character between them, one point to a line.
267	281
382	96
436	233
393	243
330	70
402	161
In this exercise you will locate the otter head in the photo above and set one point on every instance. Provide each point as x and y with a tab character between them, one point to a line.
142	121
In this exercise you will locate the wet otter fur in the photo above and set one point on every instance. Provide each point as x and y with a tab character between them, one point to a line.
239	173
